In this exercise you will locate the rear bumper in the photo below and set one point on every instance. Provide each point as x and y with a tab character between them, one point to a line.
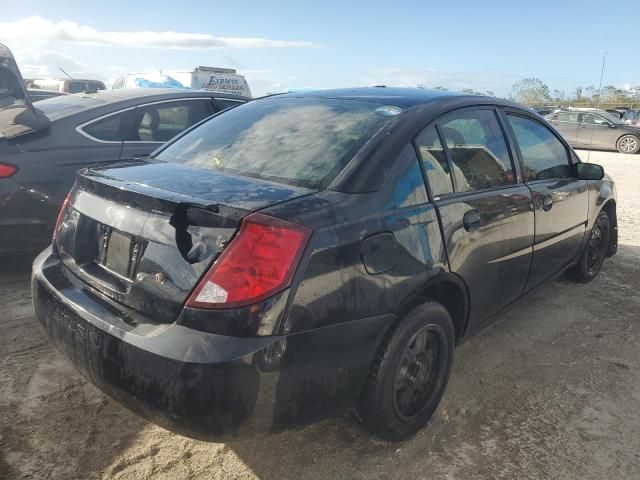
199	384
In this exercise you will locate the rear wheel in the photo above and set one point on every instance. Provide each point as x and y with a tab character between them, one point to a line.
595	251
628	144
409	374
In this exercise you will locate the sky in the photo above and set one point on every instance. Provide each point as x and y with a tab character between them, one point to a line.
484	45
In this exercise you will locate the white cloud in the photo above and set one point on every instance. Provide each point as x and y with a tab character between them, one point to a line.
38	63
40	29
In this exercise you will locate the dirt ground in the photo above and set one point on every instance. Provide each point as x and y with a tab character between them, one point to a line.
551	390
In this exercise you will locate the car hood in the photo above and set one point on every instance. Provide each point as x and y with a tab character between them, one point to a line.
18	116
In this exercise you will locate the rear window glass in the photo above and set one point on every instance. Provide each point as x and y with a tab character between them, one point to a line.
108	129
297	141
76	87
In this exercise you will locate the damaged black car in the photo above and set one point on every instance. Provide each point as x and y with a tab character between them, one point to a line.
307	254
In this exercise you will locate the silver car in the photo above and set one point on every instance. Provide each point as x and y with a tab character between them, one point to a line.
596	129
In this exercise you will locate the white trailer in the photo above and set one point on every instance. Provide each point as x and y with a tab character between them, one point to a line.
223	80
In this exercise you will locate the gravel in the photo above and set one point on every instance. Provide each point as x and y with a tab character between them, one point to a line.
551	390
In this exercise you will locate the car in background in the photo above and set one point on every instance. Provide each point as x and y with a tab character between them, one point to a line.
37	168
304	254
38	94
545	110
67	85
632	117
593	128
616	112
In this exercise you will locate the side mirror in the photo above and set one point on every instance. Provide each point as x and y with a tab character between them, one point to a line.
589	171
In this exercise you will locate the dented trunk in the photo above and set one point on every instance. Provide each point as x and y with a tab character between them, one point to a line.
145	234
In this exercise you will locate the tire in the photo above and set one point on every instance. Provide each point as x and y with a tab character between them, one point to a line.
595	251
409	373
628	144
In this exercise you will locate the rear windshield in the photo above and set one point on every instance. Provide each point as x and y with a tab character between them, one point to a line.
296	141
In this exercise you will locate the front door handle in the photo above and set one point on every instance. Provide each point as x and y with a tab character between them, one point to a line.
471	220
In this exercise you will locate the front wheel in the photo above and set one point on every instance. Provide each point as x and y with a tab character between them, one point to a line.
595	251
409	373
628	144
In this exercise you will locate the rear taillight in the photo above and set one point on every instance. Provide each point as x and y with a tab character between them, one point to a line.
7	170
61	213
259	262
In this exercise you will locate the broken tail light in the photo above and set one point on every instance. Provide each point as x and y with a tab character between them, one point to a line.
259	262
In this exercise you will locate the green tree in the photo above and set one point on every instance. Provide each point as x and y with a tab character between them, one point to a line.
530	91
558	96
471	91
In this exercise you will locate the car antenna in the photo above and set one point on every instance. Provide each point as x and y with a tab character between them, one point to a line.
60	68
604	61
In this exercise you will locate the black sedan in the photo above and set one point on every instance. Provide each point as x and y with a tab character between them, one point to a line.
596	129
37	167
305	254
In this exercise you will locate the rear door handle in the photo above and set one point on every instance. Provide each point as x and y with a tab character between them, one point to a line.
546	203
471	220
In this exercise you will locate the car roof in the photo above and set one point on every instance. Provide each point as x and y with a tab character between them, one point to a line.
399	96
67	105
122	94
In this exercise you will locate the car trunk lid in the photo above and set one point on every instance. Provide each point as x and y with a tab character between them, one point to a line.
144	234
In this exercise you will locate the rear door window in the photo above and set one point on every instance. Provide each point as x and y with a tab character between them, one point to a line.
108	129
434	161
163	121
543	155
566	117
478	150
592	119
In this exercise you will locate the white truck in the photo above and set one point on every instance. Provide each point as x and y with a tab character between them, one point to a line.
223	80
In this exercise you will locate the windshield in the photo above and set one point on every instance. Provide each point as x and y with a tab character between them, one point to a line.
297	141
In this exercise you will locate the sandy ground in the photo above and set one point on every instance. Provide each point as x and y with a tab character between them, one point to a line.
551	390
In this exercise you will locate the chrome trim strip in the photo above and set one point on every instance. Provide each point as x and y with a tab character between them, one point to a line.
539	246
563	236
80	127
513	255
